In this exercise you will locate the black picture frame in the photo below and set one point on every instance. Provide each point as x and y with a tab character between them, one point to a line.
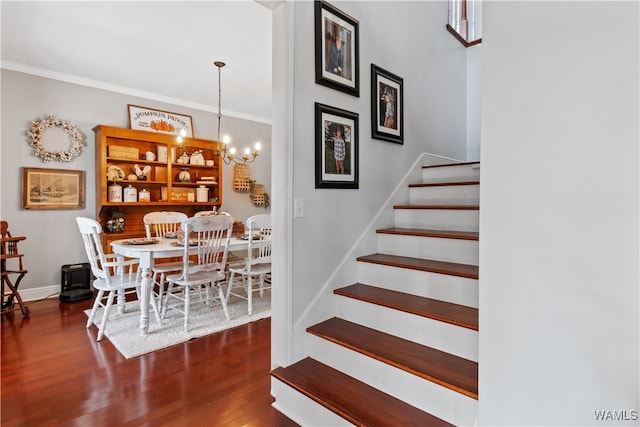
332	25
387	105
328	122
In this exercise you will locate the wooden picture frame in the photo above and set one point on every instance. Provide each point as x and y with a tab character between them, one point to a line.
44	188
387	100
333	125
152	120
337	49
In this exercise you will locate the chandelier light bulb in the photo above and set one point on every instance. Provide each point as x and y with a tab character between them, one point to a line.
179	139
247	151
183	133
258	146
226	139
232	150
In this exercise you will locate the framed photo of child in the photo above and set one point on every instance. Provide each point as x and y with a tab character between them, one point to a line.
336	45
336	147
386	106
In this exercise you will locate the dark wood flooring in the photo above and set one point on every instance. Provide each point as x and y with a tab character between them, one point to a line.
54	373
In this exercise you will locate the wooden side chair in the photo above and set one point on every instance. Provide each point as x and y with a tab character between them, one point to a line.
11	263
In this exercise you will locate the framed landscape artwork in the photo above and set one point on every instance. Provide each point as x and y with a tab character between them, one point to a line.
337	56
53	188
387	115
336	147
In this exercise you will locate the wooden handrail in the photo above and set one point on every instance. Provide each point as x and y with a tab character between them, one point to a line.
461	39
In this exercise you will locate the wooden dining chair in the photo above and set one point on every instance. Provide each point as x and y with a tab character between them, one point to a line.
161	224
257	264
113	274
207	238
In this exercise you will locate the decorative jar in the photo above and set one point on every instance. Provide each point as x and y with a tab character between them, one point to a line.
144	196
130	194
202	194
115	193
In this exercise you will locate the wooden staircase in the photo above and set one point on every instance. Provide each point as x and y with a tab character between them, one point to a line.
402	348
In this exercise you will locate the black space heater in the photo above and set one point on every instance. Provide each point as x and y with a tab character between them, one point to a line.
76	282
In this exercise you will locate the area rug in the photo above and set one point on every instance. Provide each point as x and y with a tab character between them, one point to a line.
123	330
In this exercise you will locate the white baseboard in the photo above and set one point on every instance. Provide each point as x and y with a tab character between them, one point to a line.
40	293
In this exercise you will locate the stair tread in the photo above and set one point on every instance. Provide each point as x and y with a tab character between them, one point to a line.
447	370
454	314
423	232
433	266
352	399
444	207
444	184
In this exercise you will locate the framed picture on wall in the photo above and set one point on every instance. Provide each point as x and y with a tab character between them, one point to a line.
336	147
386	105
337	56
53	188
152	120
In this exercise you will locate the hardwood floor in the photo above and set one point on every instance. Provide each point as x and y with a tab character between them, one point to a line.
54	373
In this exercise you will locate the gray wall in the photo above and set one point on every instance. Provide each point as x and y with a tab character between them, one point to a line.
408	39
559	213
52	235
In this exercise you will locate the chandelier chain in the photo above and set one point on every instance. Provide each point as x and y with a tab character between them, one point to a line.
228	155
219	65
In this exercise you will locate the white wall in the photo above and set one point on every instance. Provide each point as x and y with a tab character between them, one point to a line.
559	213
474	73
408	39
52	235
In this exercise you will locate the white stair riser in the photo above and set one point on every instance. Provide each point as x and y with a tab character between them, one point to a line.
302	409
435	248
459	173
435	399
438	219
458	290
445	195
462	342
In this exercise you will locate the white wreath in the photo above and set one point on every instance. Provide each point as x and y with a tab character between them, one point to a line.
37	129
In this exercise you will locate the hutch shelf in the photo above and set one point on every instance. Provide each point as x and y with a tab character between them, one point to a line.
178	175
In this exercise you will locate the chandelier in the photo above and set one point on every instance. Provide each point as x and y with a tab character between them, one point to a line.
229	153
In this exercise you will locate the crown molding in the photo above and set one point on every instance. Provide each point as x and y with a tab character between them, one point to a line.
68	78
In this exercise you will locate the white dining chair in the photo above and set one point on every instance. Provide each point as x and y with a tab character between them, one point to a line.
257	264
208	237
113	274
161	224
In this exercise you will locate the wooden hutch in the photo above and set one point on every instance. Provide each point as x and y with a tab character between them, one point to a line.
118	150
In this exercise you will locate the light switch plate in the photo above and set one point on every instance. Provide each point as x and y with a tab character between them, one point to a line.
298	207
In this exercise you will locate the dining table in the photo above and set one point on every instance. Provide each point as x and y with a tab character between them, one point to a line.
147	251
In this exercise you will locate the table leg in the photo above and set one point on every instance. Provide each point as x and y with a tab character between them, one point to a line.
145	291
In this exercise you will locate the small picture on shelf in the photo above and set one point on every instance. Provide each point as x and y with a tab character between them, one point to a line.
183	194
